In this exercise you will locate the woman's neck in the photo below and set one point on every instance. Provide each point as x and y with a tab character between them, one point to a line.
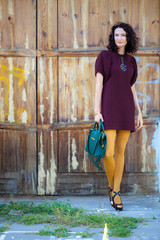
121	51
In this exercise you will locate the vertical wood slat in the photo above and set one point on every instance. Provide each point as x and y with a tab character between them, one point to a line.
47	91
149	25
47	163
47	24
18	24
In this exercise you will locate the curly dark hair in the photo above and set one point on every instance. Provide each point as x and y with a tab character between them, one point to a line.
132	39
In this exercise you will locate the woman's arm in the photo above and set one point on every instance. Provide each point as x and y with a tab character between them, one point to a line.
98	96
138	110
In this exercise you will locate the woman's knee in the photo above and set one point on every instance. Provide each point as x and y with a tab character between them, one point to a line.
109	155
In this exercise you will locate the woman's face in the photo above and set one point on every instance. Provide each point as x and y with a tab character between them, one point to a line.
120	37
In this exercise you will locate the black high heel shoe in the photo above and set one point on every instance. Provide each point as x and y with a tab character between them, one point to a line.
110	198
119	206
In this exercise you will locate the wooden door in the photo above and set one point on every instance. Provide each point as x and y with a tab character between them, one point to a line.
48	52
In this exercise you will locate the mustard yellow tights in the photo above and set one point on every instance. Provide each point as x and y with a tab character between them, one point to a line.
114	158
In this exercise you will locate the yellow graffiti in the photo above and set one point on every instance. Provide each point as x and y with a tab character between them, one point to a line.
21	75
17	73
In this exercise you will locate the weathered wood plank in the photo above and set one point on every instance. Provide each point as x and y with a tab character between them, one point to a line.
47	163
8	182
17	156
18	90
26	153
72	154
142	155
18	24
76	89
88	52
47	24
96	184
47	90
149	24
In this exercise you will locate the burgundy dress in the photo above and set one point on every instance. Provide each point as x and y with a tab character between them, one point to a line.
117	105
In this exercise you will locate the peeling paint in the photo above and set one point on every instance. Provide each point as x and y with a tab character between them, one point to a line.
69	151
84	19
42	80
27	68
24	98
156	147
49	32
41	171
74	152
111	18
51	87
33	64
122	13
10	7
74	103
75	43
2	114
145	165
24	116
143	30
11	92
85	89
51	174
27	42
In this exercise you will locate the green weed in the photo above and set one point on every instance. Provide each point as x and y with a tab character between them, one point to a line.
61	213
85	234
3	229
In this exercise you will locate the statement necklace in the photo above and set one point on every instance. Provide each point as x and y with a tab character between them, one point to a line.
123	66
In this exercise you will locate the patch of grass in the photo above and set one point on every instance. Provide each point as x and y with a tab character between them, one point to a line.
61	213
159	200
59	232
3	229
85	234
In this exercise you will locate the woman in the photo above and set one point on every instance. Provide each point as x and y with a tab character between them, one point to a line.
116	101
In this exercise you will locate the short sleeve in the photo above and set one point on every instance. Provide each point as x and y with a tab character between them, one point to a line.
135	73
103	63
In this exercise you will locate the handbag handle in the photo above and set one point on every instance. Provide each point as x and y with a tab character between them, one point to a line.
99	126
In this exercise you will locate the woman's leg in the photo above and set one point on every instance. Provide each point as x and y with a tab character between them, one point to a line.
109	163
120	145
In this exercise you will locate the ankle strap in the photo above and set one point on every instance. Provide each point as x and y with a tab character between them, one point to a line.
110	189
116	193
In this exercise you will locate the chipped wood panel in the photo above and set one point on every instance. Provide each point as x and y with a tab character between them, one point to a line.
128	11
18	24
76	89
18	90
47	24
149	22
47	163
91	184
18	154
47	90
88	22
72	154
26	162
8	182
148	85
141	156
8	158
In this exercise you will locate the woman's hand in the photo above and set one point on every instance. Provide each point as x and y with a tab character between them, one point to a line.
139	122
98	117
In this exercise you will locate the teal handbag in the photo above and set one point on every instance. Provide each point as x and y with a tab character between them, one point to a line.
96	143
